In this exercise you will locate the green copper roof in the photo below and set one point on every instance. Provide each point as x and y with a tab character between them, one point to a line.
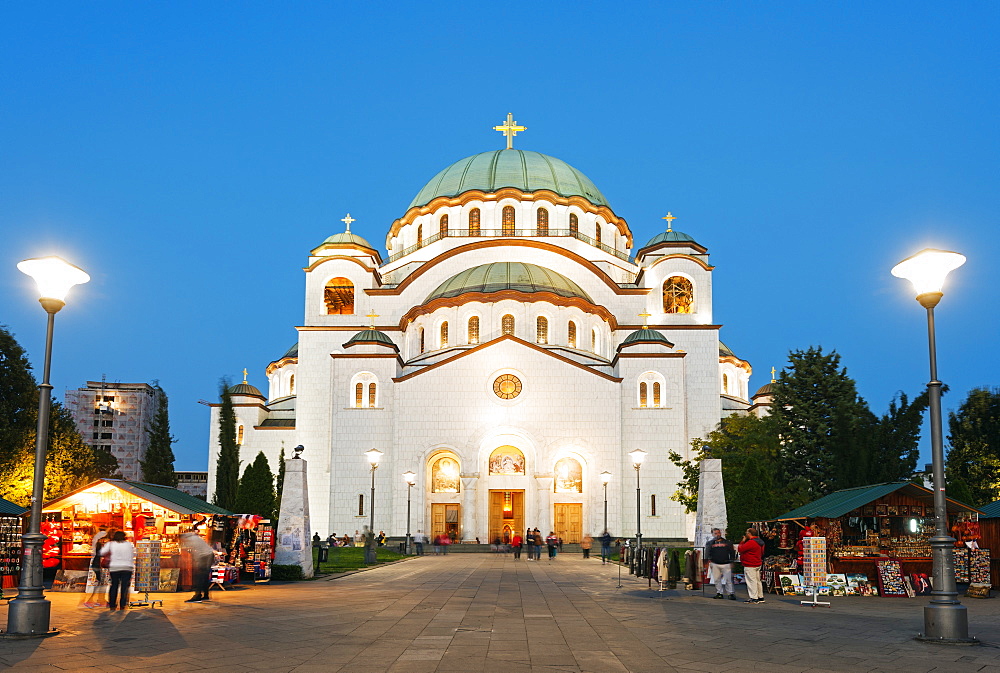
525	170
371	336
840	503
171	498
669	237
724	351
7	508
991	510
645	334
766	389
347	238
292	352
244	389
500	276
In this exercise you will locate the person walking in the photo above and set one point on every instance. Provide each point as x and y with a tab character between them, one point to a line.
752	557
586	544
720	554
201	556
552	542
515	545
419	541
121	565
369	543
605	547
96	543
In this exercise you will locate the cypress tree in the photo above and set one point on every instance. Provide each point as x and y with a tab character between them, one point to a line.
280	481
749	499
256	492
158	463
227	467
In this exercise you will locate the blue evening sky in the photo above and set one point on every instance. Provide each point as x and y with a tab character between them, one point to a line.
189	155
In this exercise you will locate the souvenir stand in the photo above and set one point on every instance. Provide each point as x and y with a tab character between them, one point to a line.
10	546
877	541
143	511
147	572
989	524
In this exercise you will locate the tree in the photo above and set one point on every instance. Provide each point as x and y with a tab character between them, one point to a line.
158	463
227	467
897	439
280	481
974	453
18	398
256	492
750	498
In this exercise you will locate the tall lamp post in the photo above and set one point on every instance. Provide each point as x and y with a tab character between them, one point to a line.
410	477
637	457
28	614
605	478
373	457
945	618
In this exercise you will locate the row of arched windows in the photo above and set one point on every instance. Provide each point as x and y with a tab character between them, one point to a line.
365	386
508	224
506	327
505	460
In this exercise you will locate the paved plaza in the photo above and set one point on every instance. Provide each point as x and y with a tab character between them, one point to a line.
482	612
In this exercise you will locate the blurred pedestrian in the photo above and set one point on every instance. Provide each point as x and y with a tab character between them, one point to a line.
552	542
586	544
516	544
605	547
121	565
420	540
368	537
201	556
720	554
98	586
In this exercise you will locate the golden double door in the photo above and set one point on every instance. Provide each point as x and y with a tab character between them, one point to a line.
445	519
568	519
506	515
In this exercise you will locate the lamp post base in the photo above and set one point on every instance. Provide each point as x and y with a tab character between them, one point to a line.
946	625
28	618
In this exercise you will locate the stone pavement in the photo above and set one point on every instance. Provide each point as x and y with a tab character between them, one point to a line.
483	612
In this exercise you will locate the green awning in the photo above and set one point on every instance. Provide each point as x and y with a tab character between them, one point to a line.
839	503
7	508
991	511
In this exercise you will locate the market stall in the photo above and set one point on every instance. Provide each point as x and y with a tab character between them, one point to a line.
989	524
877	541
10	545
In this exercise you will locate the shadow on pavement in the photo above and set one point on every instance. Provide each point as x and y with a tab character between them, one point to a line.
143	630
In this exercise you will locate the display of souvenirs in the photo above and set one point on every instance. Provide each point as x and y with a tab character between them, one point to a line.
856	551
890	578
837	583
790	585
10	551
921	583
979	566
962	565
814	561
859	585
147	566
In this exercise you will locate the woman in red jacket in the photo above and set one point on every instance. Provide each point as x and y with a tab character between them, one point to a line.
751	551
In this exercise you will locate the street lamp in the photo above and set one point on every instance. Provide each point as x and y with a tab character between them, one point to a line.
28	614
605	478
637	457
373	456
945	619
410	477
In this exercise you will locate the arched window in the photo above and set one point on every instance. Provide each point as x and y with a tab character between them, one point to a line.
569	476
474	222
444	334
339	297
360	381
359	391
507	460
445	476
239	435
542	222
371	395
725	384
650	398
572	334
507	324
597	234
678	295
541	330
291	384
642	394
574	223
420	234
443	226
508	221
421	340
474	329
593	340
656	393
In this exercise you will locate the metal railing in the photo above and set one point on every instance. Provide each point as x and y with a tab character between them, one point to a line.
508	233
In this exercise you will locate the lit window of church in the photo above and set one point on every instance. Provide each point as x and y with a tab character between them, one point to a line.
359	391
597	234
568	476
420	234
541	330
443	226
474	329
574	223
542	222
445	476
444	334
656	394
507	324
642	394
239	436
593	340
508	221
291	384
339	297
572	334
474	222
678	295
371	395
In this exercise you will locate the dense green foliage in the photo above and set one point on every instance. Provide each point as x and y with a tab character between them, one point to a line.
70	463
158	463
256	490
227	467
279	483
974	453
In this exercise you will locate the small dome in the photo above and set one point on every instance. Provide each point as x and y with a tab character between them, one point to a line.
245	389
369	336
347	238
645	335
766	389
669	237
500	276
521	169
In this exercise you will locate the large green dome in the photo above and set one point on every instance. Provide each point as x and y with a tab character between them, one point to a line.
500	276
527	171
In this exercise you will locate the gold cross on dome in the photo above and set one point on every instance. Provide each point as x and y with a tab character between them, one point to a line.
372	315
670	220
347	220
645	319
772	374
244	375
510	129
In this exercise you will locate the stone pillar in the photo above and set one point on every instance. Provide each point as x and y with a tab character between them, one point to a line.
711	503
470	490
294	535
543	507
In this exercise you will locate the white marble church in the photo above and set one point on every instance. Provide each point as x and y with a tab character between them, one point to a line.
511	349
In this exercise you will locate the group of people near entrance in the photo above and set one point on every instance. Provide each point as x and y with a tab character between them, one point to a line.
721	553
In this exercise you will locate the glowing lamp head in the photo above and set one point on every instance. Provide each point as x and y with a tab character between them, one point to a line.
54	277
637	457
605	477
927	270
410	477
373	457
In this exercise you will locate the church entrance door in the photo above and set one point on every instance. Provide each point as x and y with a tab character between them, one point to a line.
444	520
506	515
569	521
